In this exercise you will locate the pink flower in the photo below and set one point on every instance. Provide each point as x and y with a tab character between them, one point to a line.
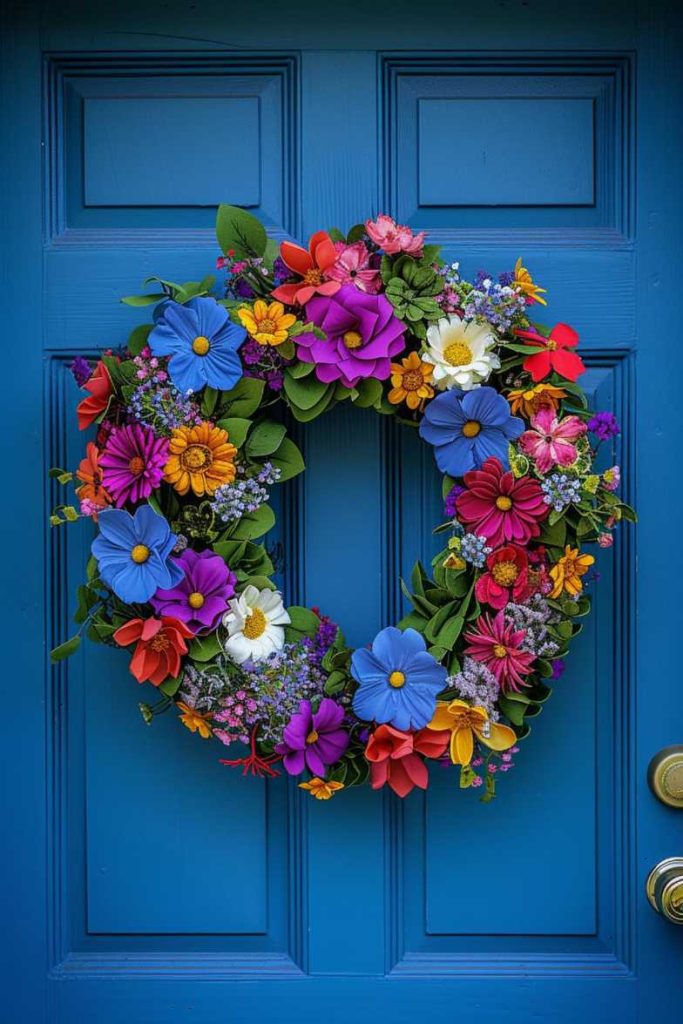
605	540
496	643
549	442
133	463
500	507
353	267
393	237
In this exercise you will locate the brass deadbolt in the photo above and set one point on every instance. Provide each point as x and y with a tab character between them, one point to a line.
665	776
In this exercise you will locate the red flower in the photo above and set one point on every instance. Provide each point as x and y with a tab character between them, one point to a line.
101	391
499	507
506	578
553	354
160	642
395	757
497	644
310	265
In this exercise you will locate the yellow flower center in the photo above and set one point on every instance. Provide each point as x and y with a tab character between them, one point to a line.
200	345
160	642
136	465
313	276
196	600
196	456
471	428
397	680
505	573
254	624
352	339
412	380
266	326
312	737
140	553
503	503
500	651
552	345
458	354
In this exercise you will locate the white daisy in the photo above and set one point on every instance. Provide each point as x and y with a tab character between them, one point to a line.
255	624
461	353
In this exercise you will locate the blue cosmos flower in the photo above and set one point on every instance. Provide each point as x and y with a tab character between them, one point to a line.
468	427
398	680
133	553
202	342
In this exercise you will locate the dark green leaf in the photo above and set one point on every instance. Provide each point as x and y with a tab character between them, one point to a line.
66	649
240	231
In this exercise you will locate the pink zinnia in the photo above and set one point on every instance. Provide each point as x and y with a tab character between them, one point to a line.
353	267
133	463
497	645
393	237
499	507
549	442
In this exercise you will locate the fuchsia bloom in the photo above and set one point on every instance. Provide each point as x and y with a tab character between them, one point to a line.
313	741
353	267
549	442
133	463
506	577
499	507
201	598
496	644
393	237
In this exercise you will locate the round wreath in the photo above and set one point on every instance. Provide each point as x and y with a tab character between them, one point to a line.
191	439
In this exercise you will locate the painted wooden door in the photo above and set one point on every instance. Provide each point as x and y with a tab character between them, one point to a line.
144	883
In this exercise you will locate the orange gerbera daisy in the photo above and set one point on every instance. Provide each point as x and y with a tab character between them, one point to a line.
410	382
90	474
566	574
529	401
200	458
268	324
193	720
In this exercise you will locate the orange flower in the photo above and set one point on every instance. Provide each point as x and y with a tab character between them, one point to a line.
101	390
159	644
310	264
201	458
193	720
567	572
320	789
410	381
90	473
528	401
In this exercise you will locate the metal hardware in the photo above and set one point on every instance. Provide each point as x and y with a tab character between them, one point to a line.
665	776
664	889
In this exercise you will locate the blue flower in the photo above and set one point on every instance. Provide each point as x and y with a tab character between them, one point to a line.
398	680
468	427
202	342
133	553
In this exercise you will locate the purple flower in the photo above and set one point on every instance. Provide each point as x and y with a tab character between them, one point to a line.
313	741
604	425
558	668
362	336
201	598
133	463
81	370
451	497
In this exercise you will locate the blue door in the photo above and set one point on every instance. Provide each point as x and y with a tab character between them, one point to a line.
143	883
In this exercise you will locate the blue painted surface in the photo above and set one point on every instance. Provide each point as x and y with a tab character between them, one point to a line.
143	881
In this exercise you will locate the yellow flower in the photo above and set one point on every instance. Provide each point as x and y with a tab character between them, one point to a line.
267	324
453	559
410	382
464	722
194	720
320	789
567	573
523	282
529	400
200	458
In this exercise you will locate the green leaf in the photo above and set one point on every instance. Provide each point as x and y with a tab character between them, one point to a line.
209	401
336	235
237	428
299	370
245	398
304	393
143	300
170	686
306	415
204	648
240	231
369	393
65	650
288	460
265	438
439	620
449	633
554	534
254	524
303	620
356	233
137	339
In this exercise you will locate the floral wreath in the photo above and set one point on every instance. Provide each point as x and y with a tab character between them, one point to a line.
192	436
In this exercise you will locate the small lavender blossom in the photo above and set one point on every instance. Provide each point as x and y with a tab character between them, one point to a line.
497	302
477	684
533	617
560	490
163	406
246	494
604	425
81	370
473	549
279	684
451	498
558	667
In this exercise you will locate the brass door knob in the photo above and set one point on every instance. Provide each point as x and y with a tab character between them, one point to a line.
664	888
665	776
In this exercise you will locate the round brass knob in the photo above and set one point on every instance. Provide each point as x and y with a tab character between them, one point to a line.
664	888
665	776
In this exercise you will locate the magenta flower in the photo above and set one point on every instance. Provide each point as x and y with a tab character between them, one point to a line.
362	336
133	463
201	598
497	644
393	237
549	442
352	266
313	741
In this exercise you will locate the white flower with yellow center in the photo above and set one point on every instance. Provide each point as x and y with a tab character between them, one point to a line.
255	624
461	352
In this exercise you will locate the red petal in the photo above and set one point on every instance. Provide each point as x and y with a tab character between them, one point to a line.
128	633
537	365
564	335
286	293
296	258
568	364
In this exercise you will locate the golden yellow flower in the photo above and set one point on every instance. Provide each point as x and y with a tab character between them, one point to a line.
523	282
464	722
410	382
567	572
267	324
529	400
194	720
200	458
320	789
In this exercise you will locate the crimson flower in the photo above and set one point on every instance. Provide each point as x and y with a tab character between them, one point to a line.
159	644
311	265
552	354
506	577
395	760
496	643
500	507
100	388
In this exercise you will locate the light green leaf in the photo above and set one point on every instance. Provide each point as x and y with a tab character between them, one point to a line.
237	428
240	231
265	438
